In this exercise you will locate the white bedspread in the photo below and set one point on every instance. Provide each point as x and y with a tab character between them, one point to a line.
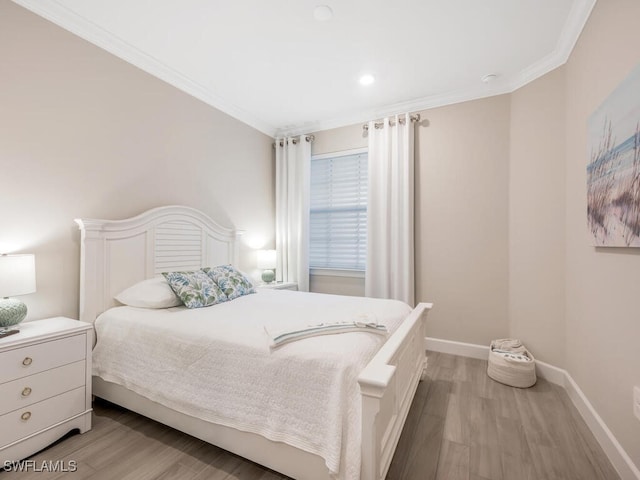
215	363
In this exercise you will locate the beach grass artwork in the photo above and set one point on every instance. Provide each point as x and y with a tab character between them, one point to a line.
613	172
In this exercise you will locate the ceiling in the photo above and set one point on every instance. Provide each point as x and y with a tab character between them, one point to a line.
272	65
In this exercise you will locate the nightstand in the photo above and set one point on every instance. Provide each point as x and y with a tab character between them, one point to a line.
45	385
280	286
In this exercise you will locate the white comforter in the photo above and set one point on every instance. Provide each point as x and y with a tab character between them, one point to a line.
215	363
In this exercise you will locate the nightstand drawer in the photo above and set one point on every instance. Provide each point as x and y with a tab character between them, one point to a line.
25	421
26	391
40	357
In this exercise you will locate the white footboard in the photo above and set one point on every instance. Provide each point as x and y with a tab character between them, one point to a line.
388	385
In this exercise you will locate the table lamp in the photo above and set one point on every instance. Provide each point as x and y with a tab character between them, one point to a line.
17	277
266	263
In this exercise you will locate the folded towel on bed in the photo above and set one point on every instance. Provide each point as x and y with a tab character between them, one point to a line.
363	323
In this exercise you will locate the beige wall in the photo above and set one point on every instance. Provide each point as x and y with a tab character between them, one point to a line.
338	139
575	306
537	217
461	225
337	285
462	154
82	133
500	216
603	285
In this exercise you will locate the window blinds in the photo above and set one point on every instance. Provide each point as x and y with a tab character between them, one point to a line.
338	212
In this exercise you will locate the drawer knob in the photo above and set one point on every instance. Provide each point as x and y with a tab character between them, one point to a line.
27	361
26	391
25	416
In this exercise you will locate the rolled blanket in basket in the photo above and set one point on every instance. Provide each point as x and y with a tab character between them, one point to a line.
511	363
510	345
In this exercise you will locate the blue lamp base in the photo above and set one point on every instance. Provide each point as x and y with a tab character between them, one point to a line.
12	312
268	276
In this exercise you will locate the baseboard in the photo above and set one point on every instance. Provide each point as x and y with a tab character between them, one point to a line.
551	374
612	448
609	443
457	348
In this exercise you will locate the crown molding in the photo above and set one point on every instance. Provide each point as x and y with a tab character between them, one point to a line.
576	20
89	31
82	27
417	105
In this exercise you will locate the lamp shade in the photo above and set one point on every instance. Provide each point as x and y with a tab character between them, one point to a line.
266	259
17	275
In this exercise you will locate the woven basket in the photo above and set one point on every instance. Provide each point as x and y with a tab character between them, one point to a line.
513	369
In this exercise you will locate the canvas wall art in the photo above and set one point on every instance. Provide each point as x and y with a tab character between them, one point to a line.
613	172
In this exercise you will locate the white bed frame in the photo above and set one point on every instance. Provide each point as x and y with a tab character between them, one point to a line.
117	254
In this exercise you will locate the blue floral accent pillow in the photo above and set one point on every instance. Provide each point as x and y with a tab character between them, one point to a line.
195	289
232	283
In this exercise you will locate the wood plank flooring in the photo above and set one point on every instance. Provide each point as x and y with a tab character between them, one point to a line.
462	425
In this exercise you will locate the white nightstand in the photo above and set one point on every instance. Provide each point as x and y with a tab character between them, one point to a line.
45	385
280	285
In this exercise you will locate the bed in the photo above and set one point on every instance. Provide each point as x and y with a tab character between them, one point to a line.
370	397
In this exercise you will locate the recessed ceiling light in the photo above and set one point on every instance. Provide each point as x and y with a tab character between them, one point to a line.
322	13
489	77
367	79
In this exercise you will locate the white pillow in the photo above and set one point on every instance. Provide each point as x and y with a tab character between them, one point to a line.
152	293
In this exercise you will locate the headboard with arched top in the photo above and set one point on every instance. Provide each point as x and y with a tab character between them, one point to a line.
115	254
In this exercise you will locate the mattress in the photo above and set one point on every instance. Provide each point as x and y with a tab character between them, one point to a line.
215	363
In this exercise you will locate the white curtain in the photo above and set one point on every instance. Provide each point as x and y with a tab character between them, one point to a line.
293	163
390	241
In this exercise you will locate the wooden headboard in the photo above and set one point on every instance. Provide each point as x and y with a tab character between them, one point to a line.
115	254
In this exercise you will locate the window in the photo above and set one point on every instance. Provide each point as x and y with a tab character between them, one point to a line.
338	212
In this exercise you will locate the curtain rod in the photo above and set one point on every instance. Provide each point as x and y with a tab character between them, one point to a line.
308	138
414	118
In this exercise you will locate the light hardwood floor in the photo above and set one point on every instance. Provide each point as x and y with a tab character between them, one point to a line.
462	425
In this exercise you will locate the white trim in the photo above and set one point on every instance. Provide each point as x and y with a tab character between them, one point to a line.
340	153
607	440
576	20
154	242
84	28
457	348
418	105
551	373
71	21
334	272
609	443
